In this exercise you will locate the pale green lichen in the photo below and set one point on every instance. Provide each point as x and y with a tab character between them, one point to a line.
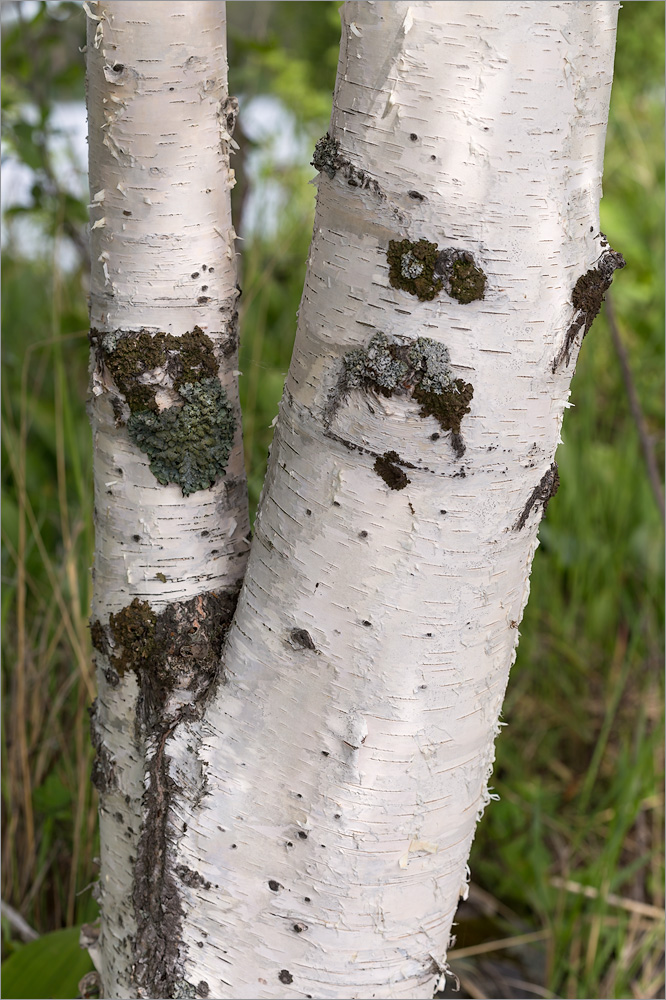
431	365
188	445
377	366
422	368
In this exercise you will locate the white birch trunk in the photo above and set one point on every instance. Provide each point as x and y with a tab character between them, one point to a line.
348	752
171	551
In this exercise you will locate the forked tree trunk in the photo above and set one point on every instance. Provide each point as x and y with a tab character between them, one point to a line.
170	497
316	821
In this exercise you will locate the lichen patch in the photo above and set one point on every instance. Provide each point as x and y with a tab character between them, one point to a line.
188	445
421	370
412	268
178	411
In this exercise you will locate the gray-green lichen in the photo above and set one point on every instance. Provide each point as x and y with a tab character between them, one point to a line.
421	369
377	365
431	365
189	443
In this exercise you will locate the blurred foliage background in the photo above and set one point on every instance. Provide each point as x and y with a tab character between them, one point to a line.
569	862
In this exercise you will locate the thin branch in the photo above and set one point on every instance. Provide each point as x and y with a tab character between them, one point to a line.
636	410
23	929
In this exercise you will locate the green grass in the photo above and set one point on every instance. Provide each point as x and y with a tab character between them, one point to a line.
579	765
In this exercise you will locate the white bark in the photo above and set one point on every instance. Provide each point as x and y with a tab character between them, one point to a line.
348	753
163	264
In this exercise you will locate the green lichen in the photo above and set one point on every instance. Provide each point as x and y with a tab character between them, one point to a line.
376	366
412	268
188	445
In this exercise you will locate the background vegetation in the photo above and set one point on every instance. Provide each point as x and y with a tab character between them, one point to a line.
569	862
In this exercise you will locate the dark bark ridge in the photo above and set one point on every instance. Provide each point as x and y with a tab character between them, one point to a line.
542	493
171	652
586	298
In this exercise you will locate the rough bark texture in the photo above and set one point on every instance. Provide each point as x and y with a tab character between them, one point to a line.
349	750
170	498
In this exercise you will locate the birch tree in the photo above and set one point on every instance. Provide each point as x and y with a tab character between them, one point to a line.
295	820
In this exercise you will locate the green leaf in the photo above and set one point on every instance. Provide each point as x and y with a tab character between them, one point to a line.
47	969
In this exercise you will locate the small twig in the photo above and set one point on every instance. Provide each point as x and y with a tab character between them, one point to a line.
23	929
636	410
589	891
489	946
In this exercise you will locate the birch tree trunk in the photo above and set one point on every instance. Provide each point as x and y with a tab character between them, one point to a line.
456	265
307	820
170	496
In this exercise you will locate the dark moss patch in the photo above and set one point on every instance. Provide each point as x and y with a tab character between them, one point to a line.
129	359
447	407
466	282
387	468
412	268
179	647
103	772
586	298
133	631
98	637
188	445
542	493
190	358
328	159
